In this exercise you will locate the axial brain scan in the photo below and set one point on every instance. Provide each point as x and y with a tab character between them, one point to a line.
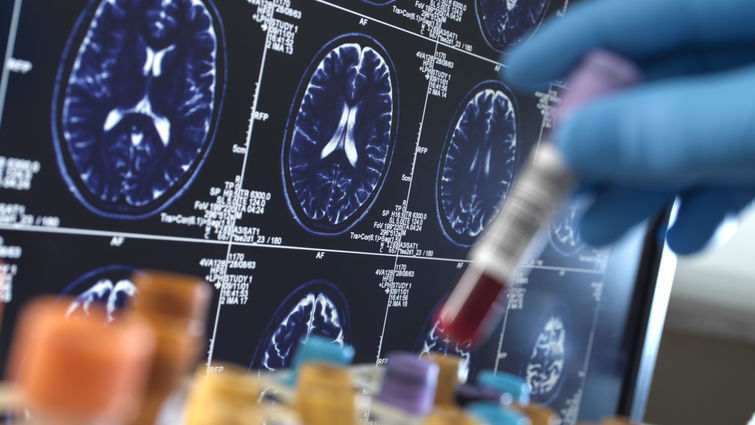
505	23
544	370
110	287
318	308
137	98
431	340
478	162
341	135
564	228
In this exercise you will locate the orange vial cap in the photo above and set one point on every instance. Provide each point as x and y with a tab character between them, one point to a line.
80	367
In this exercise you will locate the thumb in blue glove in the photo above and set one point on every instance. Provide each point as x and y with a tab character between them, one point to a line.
689	131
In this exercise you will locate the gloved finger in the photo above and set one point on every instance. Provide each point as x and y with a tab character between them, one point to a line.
637	29
676	133
700	214
615	210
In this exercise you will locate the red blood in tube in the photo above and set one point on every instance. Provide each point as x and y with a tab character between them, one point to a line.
484	304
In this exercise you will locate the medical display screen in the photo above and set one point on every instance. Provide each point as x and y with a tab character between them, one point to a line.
324	164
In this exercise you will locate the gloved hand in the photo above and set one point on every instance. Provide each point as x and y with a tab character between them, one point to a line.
688	130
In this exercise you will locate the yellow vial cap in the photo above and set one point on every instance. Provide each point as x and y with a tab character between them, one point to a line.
325	395
449	417
448	378
232	390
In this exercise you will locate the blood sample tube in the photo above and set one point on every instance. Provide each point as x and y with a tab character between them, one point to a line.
80	370
176	308
478	300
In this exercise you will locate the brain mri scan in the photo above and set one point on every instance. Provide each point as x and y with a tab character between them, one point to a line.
564	228
505	23
317	307
110	287
136	103
478	162
341	134
431	340
544	370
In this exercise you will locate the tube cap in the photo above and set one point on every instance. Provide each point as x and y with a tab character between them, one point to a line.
506	383
176	307
448	377
320	350
80	367
227	397
409	383
324	395
172	296
539	414
494	414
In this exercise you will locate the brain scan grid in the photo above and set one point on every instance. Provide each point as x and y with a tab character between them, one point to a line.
342	136
431	340
505	23
478	162
315	308
325	165
137	109
110	287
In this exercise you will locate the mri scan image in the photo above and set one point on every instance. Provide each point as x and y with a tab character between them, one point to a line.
478	162
136	103
110	287
545	368
431	340
564	228
341	134
318	307
505	23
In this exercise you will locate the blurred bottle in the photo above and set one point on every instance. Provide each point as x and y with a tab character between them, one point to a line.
449	369
78	370
232	397
176	308
324	395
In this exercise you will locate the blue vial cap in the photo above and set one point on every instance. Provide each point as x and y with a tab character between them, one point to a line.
320	350
494	414
506	383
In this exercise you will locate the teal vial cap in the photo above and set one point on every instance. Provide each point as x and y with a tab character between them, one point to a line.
495	414
317	349
506	383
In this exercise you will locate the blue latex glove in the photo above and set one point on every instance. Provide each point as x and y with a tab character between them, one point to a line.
688	130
